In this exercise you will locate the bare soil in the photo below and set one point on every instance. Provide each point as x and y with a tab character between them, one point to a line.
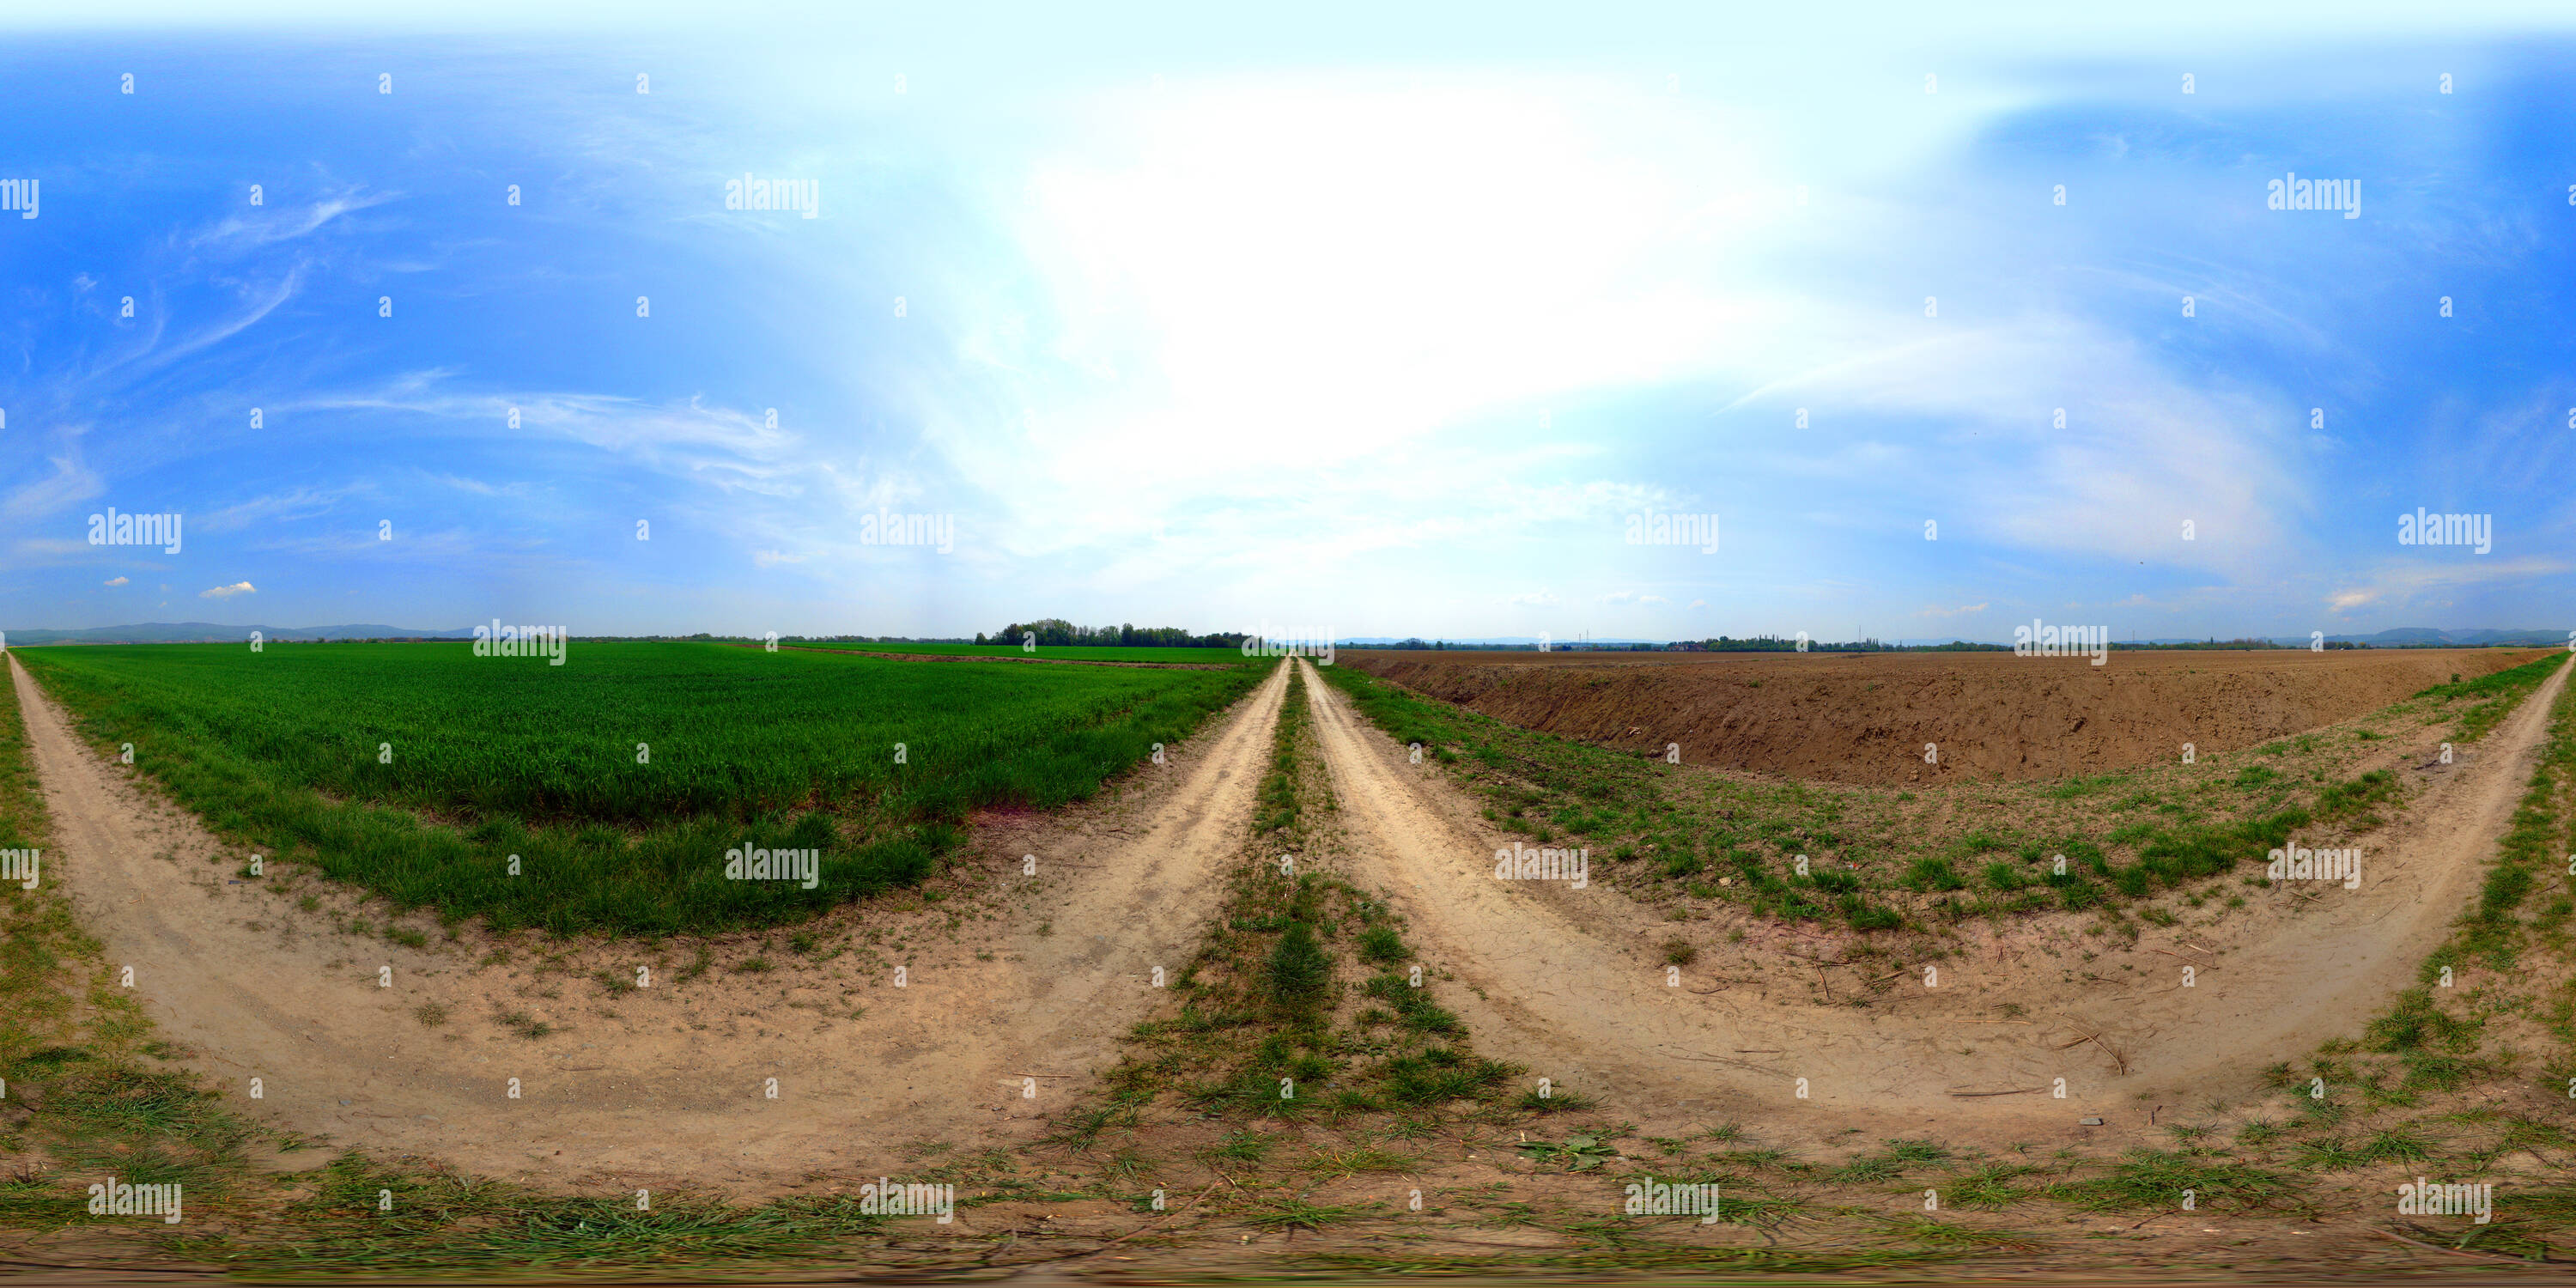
1865	717
1570	982
665	1086
1009	978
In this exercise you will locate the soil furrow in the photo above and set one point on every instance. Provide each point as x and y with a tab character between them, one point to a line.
1570	983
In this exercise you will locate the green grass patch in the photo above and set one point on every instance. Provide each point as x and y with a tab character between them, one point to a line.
622	777
2490	698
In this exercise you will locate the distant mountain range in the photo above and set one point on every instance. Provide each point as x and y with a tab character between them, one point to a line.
2427	637
208	632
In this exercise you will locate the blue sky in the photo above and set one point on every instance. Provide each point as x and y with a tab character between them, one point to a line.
1382	325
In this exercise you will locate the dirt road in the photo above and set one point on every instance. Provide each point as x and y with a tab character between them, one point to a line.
668	1084
1569	981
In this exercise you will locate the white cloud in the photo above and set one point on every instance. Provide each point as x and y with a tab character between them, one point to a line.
1283	255
70	483
276	224
227	592
2143	450
113	581
2401	583
1381	257
1961	610
1534	599
302	503
1404	265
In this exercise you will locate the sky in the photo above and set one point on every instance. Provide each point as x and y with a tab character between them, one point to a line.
1326	321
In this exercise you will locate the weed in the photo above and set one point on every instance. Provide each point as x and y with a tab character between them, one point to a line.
525	1025
1380	945
2156	1179
1579	1153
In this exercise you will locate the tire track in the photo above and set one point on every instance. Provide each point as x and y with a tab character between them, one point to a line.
1567	982
672	1085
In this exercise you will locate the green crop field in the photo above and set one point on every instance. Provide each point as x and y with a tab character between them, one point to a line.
620	778
1070	653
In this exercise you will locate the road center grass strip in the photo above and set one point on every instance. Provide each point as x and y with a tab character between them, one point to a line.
620	778
1304	1002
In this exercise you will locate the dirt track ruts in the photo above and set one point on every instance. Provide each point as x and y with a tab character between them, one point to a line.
1568	983
670	1087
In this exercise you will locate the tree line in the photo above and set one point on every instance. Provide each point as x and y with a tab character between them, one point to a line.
1055	632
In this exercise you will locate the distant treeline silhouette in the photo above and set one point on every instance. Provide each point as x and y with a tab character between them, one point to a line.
1059	633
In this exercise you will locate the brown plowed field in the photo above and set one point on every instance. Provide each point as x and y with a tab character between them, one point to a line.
1570	983
1865	717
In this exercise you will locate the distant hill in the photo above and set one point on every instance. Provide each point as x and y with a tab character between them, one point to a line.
2402	637
208	632
2427	637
